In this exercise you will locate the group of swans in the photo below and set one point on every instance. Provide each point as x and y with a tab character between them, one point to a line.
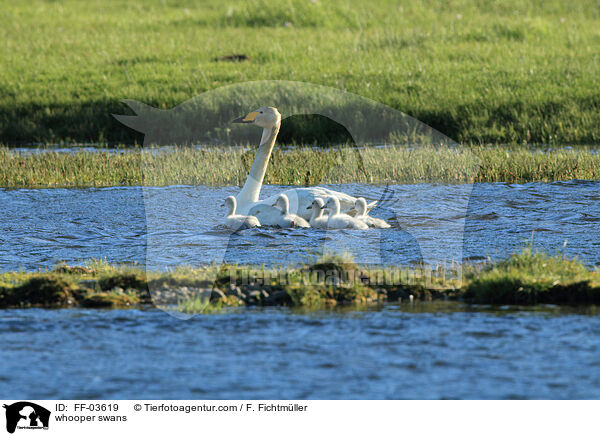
264	215
294	207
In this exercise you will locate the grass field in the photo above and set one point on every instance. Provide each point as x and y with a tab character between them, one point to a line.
489	71
526	278
230	166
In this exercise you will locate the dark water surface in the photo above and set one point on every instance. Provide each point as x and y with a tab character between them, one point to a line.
170	226
441	350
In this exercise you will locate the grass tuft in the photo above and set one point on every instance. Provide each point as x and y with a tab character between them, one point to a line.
533	277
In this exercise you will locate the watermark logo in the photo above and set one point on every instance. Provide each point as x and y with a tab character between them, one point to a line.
234	143
24	415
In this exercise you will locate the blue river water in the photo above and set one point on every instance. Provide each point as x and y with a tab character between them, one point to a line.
179	225
423	351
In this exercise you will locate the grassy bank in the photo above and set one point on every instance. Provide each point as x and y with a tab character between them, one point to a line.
527	278
511	71
218	167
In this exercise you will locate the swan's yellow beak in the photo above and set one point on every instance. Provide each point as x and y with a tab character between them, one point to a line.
247	119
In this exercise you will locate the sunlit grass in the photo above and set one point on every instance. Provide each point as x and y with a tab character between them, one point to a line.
509	71
525	278
533	277
230	166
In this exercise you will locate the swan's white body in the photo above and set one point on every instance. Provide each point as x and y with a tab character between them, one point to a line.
361	214
338	220
299	198
286	219
266	214
317	220
238	222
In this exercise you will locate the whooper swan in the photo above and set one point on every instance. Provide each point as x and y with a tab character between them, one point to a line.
338	220
361	208
238	222
267	215
269	119
286	218
317	220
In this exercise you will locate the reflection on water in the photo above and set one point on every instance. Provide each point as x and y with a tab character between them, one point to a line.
178	225
422	351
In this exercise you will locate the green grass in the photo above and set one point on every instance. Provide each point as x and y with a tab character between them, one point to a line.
533	277
525	278
230	166
489	71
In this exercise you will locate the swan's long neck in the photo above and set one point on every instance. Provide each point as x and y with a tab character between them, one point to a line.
361	208
335	208
251	190
316	212
285	205
230	208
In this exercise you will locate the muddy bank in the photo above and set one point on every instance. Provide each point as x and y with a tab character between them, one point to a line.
526	278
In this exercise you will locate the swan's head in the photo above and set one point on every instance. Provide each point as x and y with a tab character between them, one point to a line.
361	206
332	204
230	203
317	204
282	203
265	117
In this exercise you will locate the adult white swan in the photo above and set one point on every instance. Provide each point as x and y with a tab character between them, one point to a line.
339	220
269	119
238	222
361	214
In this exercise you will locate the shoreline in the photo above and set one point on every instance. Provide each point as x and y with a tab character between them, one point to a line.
525	279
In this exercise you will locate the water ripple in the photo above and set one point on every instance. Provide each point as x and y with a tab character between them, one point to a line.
395	352
432	223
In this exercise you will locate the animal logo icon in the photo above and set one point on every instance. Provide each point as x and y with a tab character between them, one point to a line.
26	415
